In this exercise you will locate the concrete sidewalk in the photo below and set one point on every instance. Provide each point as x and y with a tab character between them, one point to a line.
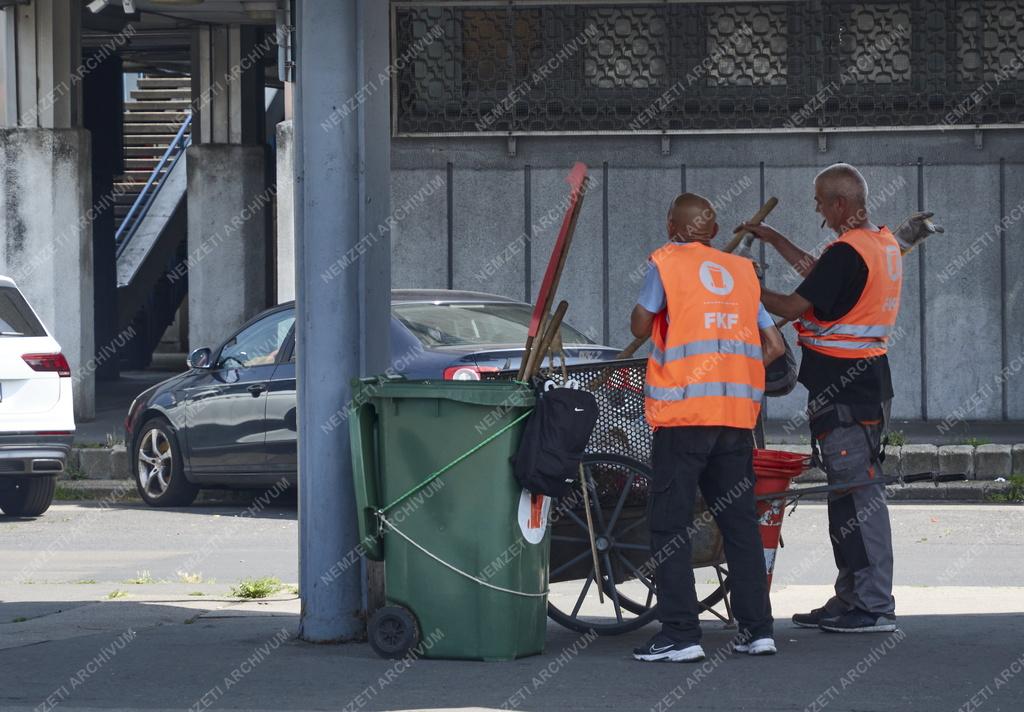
954	644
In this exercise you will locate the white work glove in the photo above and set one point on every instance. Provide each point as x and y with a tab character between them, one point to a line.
914	230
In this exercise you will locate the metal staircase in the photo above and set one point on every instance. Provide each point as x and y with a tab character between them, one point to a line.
152	119
150	211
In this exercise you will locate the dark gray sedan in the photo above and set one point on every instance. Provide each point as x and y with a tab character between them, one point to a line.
229	421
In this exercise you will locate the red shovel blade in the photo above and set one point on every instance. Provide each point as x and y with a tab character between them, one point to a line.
575	179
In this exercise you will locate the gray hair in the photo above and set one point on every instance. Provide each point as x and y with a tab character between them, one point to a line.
845	181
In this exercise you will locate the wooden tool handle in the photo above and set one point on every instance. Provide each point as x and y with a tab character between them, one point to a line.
538	354
633	347
759	216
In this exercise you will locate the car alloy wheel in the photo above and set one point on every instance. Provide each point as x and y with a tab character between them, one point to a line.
155	462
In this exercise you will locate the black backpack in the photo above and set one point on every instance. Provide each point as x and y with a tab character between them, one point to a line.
553	441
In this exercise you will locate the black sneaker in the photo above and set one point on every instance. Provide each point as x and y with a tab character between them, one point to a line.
661	648
812	619
858	621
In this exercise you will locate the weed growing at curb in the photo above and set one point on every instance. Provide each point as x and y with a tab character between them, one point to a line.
257	587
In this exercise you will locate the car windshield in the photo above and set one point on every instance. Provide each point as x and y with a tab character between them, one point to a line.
467	324
16	318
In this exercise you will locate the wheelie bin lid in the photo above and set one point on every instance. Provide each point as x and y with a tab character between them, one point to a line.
490	393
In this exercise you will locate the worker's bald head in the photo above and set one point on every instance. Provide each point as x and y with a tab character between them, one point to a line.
841	194
691	218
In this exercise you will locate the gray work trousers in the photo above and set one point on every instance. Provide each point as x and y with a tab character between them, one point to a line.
858	519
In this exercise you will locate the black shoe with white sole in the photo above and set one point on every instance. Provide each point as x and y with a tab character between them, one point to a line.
661	648
858	621
812	619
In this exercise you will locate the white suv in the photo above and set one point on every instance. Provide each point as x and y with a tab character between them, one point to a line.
37	420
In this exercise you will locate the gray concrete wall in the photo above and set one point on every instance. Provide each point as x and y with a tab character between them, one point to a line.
46	240
962	312
226	239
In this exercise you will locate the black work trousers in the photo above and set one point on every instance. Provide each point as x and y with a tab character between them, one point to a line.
720	461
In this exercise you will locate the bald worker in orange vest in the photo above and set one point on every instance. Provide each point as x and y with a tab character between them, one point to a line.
711	339
845	311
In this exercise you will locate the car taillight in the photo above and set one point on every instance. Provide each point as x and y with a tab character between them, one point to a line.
48	362
467	373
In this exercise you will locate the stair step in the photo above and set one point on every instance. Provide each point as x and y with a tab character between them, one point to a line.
146	151
138	178
133	107
141	164
138	117
153	129
150	139
163	94
164	82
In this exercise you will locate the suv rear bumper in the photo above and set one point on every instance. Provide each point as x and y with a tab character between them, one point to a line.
31	455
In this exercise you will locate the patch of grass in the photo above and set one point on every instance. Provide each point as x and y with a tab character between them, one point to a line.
186	577
257	587
86	581
73	473
141	577
118	593
292	589
19	619
896	438
196	593
64	493
1014	492
975	442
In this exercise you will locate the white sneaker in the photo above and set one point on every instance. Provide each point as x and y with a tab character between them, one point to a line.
761	646
660	649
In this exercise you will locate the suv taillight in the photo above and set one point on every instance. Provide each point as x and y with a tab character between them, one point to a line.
467	373
48	362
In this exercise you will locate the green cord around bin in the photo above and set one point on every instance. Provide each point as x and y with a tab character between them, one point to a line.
453	463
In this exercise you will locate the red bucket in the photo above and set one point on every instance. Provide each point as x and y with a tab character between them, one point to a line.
773	471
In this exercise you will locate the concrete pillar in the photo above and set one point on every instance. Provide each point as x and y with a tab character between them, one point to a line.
45	181
285	211
227	187
103	115
341	193
227	206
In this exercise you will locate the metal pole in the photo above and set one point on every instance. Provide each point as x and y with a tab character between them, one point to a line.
327	315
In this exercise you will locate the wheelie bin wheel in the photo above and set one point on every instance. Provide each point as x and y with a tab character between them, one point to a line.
393	632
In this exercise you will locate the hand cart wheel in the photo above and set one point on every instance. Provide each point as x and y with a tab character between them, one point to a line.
618	489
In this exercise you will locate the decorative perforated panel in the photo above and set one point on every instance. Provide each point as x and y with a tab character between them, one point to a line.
472	67
749	44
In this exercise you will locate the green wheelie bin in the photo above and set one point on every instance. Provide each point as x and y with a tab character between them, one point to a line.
465	548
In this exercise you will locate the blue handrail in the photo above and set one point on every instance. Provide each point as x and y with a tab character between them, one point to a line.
144	199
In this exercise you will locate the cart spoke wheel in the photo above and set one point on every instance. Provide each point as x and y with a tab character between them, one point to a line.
574	560
620	539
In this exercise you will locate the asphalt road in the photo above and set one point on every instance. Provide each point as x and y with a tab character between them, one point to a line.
960	595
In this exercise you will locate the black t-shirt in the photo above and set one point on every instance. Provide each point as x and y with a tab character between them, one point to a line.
834	286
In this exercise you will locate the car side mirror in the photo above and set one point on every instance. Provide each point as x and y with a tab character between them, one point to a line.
200	358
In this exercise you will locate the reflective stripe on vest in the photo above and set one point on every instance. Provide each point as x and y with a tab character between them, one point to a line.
849	345
864	331
704	390
706	346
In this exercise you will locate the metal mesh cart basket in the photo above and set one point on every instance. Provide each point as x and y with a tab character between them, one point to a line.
617	473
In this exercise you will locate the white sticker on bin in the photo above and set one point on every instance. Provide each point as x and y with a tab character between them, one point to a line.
533	516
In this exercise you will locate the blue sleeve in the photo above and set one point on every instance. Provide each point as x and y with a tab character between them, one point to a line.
652	294
764	319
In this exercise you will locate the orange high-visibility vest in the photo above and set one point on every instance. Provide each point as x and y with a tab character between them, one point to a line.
705	367
864	331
